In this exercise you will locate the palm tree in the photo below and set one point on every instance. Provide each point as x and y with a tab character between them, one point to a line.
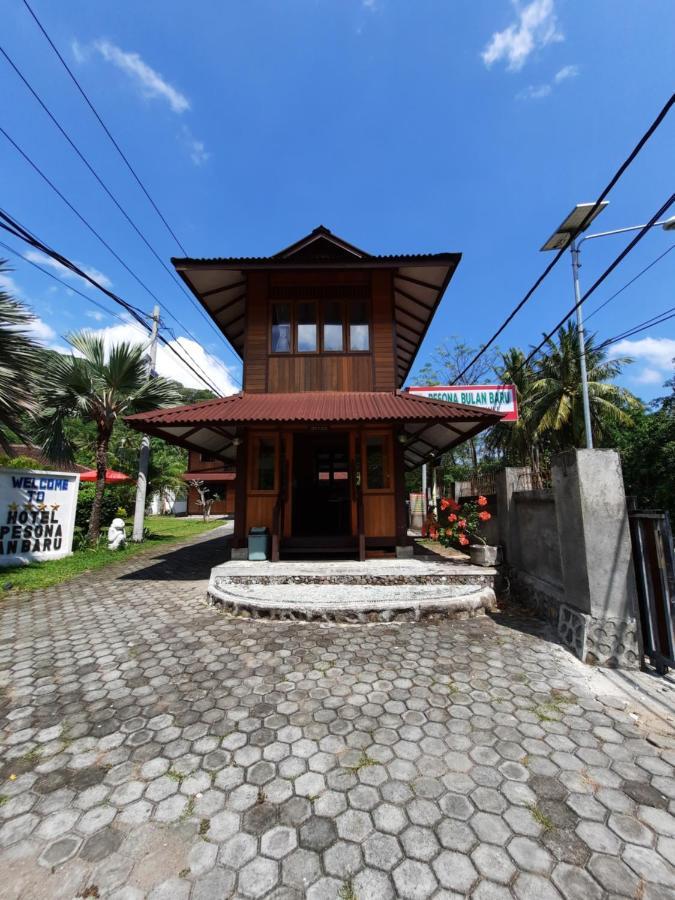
557	404
100	388
19	365
517	441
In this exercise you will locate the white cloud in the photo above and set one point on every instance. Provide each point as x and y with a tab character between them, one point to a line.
649	376
96	315
43	260
535	27
655	355
8	285
40	331
534	92
196	148
657	352
168	363
150	83
565	73
539	91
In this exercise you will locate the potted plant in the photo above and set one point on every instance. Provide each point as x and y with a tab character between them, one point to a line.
459	524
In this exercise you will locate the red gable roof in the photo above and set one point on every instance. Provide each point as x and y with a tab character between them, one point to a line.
315	406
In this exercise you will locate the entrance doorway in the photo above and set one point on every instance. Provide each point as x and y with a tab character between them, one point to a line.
320	484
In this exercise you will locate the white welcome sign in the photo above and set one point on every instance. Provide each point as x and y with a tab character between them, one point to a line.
37	515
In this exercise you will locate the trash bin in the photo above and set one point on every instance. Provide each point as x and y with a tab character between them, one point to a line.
258	544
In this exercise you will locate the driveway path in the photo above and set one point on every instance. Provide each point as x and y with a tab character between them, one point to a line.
154	747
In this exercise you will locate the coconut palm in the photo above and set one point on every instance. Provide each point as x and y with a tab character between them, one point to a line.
557	403
99	387
516	441
19	364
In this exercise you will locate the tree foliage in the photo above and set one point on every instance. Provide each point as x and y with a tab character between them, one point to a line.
99	387
20	365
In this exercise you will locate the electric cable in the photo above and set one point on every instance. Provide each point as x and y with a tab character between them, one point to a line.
10	225
584	224
632	281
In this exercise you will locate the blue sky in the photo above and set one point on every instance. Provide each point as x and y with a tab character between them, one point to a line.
402	126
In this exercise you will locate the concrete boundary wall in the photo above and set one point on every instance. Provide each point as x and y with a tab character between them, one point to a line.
568	554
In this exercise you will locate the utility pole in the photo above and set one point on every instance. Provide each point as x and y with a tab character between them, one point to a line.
582	345
144	456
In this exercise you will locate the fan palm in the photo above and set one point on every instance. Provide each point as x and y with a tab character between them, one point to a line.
99	387
557	395
19	365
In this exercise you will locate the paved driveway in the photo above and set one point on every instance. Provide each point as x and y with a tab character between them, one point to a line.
155	747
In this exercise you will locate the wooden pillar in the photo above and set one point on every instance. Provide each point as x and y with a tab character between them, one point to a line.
402	539
239	536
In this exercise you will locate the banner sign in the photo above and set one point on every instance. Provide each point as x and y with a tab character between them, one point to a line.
37	515
500	397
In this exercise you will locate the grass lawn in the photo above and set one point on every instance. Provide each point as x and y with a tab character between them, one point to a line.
163	530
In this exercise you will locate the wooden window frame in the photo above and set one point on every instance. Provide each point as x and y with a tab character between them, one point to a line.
320	320
254	442
389	461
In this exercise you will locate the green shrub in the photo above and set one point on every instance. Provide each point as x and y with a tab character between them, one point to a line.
23	462
113	507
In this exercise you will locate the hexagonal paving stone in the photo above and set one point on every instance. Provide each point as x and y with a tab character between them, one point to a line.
317	833
382	851
59	851
493	862
455	871
343	859
300	869
258	876
414	880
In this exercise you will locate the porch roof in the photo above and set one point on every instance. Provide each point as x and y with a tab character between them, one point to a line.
430	427
419	282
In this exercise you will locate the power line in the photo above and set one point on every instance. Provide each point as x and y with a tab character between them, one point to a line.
589	215
34	165
12	226
79	215
93	171
642	326
615	262
110	194
632	281
103	126
69	287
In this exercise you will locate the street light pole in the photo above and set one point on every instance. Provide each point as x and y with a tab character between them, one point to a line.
144	456
566	236
582	346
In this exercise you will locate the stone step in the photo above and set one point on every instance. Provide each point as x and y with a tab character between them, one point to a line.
351	603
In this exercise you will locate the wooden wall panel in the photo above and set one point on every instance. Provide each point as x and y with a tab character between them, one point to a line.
379	515
255	348
259	511
342	372
382	307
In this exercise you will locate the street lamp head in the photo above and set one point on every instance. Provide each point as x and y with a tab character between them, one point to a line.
562	236
669	224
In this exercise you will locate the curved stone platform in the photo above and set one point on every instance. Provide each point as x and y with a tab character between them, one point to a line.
375	591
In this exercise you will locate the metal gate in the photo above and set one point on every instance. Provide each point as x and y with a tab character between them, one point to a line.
652	541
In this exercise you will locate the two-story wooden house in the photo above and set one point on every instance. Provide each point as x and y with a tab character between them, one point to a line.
322	433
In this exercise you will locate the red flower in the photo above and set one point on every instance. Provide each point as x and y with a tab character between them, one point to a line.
463	539
461	523
482	501
484	515
448	532
445	503
452	517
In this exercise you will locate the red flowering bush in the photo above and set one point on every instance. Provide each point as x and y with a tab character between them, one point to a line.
460	524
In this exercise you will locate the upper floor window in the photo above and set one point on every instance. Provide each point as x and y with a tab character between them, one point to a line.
307	337
332	326
281	328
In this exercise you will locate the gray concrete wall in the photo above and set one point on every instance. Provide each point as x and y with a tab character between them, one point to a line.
569	554
539	544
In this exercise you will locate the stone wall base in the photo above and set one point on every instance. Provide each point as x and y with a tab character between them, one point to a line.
598	642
